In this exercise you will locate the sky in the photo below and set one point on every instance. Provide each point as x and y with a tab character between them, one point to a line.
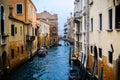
61	7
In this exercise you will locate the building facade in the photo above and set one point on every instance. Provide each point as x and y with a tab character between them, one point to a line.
81	29
22	31
104	37
44	33
69	28
97	35
4	60
53	21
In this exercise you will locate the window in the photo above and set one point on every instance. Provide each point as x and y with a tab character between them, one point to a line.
18	50
110	19
91	48
20	30
80	46
100	22
32	31
12	53
36	31
117	17
54	40
110	56
22	49
2	19
77	44
12	30
100	52
91	24
19	8
54	28
15	30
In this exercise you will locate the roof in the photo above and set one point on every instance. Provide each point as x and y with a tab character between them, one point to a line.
47	15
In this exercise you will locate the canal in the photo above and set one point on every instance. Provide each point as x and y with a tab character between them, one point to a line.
54	66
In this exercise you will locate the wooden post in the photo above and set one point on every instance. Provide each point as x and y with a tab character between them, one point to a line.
70	56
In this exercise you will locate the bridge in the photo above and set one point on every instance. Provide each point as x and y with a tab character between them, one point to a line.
71	41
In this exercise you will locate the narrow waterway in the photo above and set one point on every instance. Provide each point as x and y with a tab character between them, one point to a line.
54	66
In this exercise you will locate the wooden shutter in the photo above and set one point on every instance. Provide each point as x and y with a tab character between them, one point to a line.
12	30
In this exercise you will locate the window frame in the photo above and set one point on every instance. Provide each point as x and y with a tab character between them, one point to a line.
15	30
116	24
91	49
100	22
110	58
18	49
100	52
17	8
36	31
12	30
110	11
12	53
22	49
2	31
91	21
21	30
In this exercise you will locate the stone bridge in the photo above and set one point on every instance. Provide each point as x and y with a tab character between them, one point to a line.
71	41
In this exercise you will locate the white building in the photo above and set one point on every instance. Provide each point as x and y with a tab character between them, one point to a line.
81	29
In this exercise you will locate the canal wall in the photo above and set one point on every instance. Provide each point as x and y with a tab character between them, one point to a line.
16	63
109	72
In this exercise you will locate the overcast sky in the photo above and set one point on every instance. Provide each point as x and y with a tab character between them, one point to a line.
61	7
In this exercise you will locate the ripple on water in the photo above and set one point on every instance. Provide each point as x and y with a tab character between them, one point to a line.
54	66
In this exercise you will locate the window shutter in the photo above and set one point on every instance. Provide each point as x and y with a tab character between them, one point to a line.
36	31
12	30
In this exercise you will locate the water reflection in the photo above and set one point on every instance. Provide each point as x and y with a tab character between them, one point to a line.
54	66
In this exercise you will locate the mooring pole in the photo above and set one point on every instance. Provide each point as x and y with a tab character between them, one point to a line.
70	56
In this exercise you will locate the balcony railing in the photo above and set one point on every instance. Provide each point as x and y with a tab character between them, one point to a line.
78	33
77	14
30	38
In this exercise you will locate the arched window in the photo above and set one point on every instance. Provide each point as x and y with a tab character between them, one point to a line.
2	19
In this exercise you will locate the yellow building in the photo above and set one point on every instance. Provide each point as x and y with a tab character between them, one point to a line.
22	28
52	19
4	60
44	33
104	38
31	28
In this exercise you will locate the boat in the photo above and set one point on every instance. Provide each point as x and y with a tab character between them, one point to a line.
42	52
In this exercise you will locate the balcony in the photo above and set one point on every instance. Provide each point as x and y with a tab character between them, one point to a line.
78	33
30	38
65	33
77	14
3	40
